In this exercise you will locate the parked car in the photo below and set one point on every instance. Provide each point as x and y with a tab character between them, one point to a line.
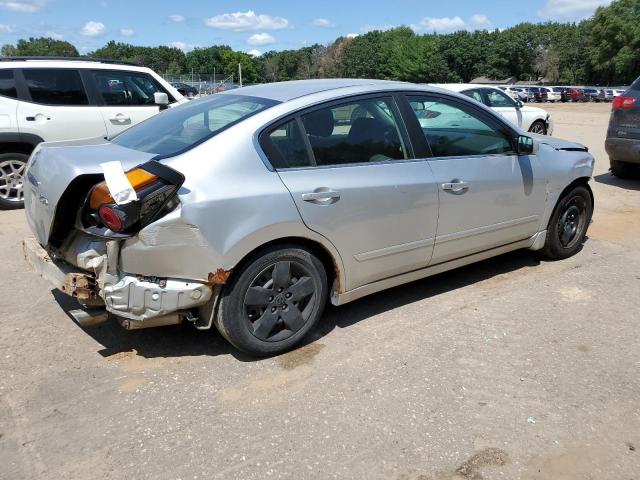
539	94
52	99
185	89
289	209
516	93
529	119
617	91
609	95
577	95
594	94
554	94
623	135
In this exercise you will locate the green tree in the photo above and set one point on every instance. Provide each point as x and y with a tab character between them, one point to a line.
40	47
207	60
614	51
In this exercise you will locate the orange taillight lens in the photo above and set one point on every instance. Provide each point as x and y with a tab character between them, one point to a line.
138	178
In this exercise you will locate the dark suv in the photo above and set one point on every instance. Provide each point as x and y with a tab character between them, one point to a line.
623	135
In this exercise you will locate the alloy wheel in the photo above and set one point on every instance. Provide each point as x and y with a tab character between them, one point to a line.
538	128
12	180
279	301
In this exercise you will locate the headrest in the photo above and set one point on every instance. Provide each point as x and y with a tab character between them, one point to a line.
366	130
319	123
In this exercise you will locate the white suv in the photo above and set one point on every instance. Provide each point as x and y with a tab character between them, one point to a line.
529	119
54	99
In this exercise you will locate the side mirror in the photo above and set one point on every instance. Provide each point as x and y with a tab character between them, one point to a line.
525	145
161	99
519	104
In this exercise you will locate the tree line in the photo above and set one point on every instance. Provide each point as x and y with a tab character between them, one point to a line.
601	50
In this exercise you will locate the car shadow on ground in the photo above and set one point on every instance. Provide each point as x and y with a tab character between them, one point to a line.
626	184
184	340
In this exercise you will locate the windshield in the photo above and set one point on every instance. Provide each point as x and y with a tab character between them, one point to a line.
182	128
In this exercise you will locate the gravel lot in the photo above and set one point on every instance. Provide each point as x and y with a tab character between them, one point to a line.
509	369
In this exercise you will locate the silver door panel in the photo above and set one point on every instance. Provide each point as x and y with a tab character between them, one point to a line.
381	217
502	203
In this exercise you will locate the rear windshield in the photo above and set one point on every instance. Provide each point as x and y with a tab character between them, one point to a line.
635	85
182	128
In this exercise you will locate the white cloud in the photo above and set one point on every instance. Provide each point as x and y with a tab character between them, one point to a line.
261	39
351	35
453	24
126	32
93	29
381	28
254	53
54	35
6	28
480	22
442	25
323	23
24	6
177	18
244	21
570	9
185	47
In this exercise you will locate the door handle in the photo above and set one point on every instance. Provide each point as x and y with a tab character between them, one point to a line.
456	186
120	119
322	196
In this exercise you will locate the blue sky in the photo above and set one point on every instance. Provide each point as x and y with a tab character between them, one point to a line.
258	26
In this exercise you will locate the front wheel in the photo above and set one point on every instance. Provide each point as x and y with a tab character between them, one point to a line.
623	170
12	166
568	225
273	301
538	127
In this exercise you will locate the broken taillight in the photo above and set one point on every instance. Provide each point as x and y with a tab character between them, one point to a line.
110	218
138	178
156	187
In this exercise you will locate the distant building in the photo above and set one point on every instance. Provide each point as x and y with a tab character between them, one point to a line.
494	81
510	81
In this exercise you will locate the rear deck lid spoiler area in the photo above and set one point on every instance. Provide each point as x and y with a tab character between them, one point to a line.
54	166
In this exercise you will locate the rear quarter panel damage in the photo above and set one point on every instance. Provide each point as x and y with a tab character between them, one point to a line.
231	204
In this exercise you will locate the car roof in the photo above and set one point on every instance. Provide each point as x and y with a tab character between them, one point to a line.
53	62
290	90
460	87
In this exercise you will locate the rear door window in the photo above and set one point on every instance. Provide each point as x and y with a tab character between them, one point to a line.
7	84
285	146
362	131
497	99
55	86
119	88
475	94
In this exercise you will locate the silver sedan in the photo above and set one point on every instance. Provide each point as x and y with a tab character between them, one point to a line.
249	210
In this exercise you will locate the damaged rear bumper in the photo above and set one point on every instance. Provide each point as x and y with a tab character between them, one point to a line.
133	297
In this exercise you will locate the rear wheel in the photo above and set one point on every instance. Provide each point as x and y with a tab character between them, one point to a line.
568	225
623	169
538	127
12	166
273	302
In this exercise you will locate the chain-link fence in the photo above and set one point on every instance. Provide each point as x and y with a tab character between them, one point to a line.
203	83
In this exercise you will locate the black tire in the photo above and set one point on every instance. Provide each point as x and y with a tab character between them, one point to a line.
12	167
540	126
276	322
569	223
623	170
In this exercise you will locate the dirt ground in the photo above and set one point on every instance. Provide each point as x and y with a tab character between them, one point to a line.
513	368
